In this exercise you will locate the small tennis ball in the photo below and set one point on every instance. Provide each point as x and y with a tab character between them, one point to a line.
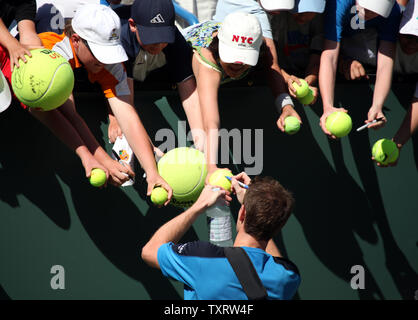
301	90
159	196
218	179
307	100
385	151
97	177
45	81
291	125
339	124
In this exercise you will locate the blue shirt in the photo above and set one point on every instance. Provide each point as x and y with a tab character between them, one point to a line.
207	274
178	54
341	21
225	7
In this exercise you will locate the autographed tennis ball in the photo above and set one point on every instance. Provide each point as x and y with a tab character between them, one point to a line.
97	177
291	125
218	179
45	81
159	196
301	90
184	169
339	124
385	151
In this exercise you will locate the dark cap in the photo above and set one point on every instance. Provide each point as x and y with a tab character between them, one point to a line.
154	20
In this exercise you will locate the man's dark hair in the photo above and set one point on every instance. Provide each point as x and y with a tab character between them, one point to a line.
268	206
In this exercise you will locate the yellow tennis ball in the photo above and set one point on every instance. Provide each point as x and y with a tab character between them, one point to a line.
339	124
301	90
184	169
218	179
45	81
291	125
306	100
385	151
97	177
159	196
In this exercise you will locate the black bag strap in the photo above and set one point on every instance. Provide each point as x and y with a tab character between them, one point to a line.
246	273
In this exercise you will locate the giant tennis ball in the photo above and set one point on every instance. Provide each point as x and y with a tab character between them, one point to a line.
184	169
45	81
385	151
339	124
218	179
159	196
97	177
291	125
301	90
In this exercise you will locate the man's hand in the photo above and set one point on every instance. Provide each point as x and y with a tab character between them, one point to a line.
210	195
286	112
324	119
237	189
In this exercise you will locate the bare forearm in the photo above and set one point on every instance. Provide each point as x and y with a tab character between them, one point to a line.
172	231
327	75
135	133
275	77
175	229
383	80
6	39
28	35
409	125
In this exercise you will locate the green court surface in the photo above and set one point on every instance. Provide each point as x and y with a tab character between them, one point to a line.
348	211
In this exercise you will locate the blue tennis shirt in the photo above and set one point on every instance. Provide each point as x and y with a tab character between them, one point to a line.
207	274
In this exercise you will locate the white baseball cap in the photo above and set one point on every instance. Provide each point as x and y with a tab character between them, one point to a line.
240	38
381	7
409	22
5	94
274	5
100	27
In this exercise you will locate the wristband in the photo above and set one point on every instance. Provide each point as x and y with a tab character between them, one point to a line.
283	100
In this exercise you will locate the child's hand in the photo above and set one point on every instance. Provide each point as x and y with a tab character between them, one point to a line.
315	93
291	88
118	173
375	113
91	163
155	180
287	111
324	119
17	51
353	70
113	131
